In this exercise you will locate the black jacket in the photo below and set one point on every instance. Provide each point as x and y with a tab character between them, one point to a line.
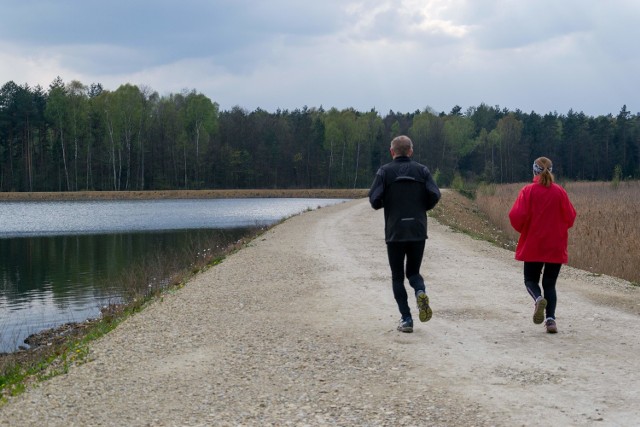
406	190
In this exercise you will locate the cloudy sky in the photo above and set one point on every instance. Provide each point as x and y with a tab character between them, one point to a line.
400	55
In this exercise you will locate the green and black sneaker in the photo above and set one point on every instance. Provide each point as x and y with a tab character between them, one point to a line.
423	306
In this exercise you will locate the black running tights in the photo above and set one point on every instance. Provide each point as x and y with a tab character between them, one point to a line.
412	252
532	272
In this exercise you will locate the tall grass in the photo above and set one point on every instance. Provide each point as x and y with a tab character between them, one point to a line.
461	213
495	201
605	236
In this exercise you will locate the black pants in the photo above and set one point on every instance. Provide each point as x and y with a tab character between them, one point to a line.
412	252
532	272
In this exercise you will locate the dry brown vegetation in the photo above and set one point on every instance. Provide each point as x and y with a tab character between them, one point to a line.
463	214
604	239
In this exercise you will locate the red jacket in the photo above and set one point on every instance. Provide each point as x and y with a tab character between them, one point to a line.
542	215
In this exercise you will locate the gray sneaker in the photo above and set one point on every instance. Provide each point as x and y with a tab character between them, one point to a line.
405	325
551	326
425	311
538	311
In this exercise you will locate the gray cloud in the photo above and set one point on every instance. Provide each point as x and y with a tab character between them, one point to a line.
404	55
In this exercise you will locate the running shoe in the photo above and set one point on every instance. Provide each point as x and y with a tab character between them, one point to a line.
425	311
538	311
551	326
406	325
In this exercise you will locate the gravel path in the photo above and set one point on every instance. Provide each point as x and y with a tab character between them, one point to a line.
298	328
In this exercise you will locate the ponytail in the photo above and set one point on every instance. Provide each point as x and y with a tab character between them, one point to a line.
542	167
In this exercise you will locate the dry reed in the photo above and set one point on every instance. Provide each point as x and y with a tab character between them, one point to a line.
604	239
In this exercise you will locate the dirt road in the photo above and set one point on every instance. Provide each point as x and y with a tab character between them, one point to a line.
298	328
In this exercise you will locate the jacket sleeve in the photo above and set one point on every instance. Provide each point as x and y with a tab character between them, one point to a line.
376	193
519	212
433	192
569	211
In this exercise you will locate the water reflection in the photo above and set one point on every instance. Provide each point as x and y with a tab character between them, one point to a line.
49	281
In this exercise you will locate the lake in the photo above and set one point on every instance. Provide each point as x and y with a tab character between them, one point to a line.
61	262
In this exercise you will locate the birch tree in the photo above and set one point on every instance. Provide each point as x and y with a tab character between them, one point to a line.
200	121
57	112
78	117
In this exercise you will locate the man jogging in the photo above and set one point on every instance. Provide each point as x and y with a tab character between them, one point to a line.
406	190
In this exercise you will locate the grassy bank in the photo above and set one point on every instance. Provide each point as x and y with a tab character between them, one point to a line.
463	215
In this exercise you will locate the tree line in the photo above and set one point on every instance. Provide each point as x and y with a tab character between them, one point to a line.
74	137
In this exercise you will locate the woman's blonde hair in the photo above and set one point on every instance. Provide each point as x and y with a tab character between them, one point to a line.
542	167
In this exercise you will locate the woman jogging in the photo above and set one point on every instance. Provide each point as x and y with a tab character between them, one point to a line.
542	214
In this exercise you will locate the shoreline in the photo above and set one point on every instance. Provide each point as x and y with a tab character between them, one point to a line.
321	193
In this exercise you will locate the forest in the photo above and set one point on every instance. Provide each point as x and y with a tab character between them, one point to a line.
73	137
